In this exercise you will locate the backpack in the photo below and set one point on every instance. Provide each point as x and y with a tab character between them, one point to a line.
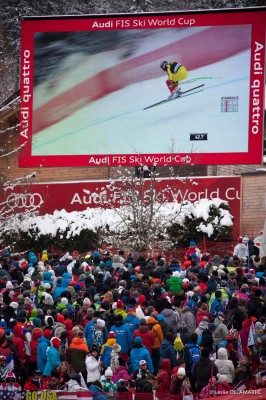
193	355
211	287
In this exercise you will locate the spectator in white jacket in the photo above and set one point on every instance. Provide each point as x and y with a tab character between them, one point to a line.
225	366
241	249
93	365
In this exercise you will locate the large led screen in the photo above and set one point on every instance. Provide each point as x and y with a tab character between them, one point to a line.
149	89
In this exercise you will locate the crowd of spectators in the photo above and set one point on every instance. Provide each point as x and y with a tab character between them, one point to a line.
125	323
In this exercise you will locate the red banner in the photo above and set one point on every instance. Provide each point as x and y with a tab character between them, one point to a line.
78	196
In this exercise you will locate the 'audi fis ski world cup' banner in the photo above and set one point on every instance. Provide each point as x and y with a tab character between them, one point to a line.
143	89
78	196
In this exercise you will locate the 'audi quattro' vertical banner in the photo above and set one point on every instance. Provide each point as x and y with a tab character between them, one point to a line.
78	196
94	89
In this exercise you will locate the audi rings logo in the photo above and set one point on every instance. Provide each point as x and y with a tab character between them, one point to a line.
27	200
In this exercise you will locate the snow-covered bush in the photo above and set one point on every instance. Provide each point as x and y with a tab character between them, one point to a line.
171	223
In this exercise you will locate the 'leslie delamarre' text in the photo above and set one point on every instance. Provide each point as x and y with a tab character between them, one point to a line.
144	23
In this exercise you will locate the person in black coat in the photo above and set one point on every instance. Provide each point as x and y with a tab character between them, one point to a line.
254	305
207	338
203	370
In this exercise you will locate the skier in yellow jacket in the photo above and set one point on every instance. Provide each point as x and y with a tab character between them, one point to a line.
176	72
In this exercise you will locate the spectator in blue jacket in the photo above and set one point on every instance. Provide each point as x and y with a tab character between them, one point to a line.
44	343
167	350
61	285
217	303
123	336
53	356
131	320
89	329
138	353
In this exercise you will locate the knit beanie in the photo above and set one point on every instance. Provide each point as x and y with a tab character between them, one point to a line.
47	333
55	342
64	300
86	302
108	372
100	323
119	304
181	371
60	318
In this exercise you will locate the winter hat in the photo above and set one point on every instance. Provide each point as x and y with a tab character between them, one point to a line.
108	372
47	285
181	371
86	302
10	375
142	362
249	277
252	271
206	319
244	361
47	333
111	335
212	327
14	305
263	360
77	288
39	312
138	340
90	311
119	304
60	318
192	243
27	301
160	317
64	300
55	342
100	323
36	321
176	273
197	288
116	348
9	285
3	323
190	304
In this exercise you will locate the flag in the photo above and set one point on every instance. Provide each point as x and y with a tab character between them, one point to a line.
5	395
239	347
251	340
65	257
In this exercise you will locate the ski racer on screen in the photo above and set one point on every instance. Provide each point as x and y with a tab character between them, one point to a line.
176	72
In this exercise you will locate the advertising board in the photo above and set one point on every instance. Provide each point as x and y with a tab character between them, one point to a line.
94	89
78	196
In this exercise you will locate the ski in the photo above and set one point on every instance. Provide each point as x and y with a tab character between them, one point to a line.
179	97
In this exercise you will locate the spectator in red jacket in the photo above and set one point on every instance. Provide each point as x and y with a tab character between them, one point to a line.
164	379
146	335
36	335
